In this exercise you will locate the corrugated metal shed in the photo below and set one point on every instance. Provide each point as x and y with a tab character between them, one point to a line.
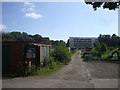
14	53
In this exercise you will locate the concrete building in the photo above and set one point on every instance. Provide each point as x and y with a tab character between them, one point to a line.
81	42
15	53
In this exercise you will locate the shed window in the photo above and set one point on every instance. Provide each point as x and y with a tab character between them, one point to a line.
31	53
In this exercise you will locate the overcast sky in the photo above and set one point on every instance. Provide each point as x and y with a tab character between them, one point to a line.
58	20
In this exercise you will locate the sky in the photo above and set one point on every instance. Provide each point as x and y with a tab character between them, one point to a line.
58	20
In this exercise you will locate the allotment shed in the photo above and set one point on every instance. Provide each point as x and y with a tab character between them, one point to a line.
15	53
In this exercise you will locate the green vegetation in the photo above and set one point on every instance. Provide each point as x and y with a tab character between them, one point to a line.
110	41
57	59
62	54
23	36
107	48
59	55
46	71
36	72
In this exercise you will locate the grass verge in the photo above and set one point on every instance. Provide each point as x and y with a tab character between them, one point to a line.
42	71
46	71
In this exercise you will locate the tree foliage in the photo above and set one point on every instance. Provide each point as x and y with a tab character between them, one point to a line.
62	54
18	36
103	48
106	5
110	41
58	43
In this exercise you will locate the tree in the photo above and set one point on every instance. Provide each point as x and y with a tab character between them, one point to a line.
16	36
104	39
25	36
58	43
114	35
110	41
5	36
111	5
114	40
103	48
37	38
46	40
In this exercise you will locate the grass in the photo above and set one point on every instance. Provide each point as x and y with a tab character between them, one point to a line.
47	71
50	68
42	71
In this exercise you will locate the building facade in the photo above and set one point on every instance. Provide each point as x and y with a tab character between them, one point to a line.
81	42
15	53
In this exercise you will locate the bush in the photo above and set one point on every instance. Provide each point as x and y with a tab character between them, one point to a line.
49	62
105	56
82	55
32	70
103	47
62	54
100	48
22	69
87	57
95	58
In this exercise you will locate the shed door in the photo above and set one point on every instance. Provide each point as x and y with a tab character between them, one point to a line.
6	59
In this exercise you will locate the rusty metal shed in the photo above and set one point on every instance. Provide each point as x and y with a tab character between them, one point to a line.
16	52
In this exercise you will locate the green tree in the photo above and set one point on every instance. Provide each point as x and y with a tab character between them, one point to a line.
58	43
37	38
106	5
25	36
16	36
46	40
103	48
110	41
5	36
104	39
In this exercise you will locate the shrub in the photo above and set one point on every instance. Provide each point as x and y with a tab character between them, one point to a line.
105	56
95	58
103	48
82	55
62	54
22	69
49	62
115	57
32	70
87	57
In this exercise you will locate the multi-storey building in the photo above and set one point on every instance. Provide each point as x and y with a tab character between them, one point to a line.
81	42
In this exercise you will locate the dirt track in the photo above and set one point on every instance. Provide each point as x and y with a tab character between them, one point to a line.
77	74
